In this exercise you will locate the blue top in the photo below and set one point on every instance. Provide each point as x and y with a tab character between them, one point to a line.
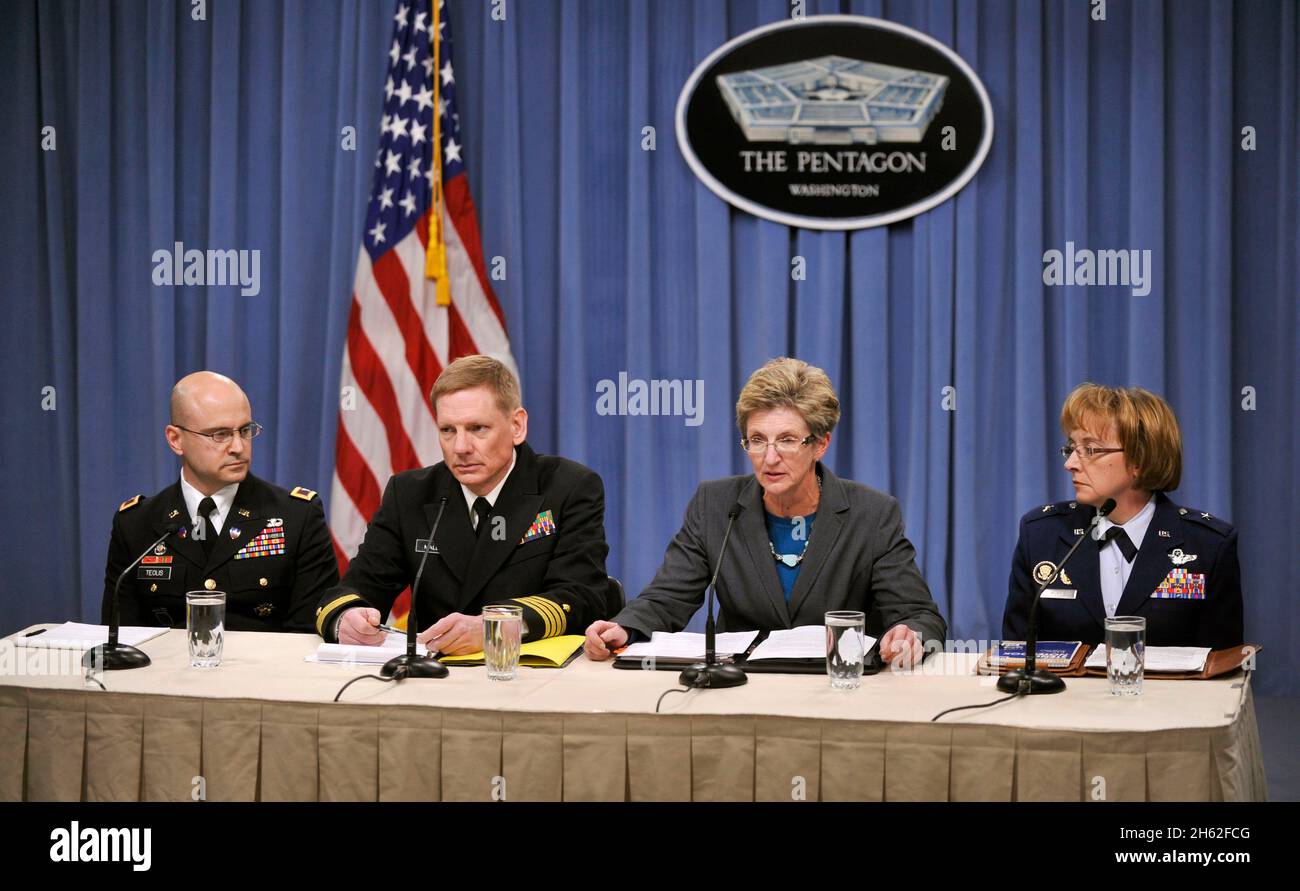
789	536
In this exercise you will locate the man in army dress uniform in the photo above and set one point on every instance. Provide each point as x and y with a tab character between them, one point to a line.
267	548
517	528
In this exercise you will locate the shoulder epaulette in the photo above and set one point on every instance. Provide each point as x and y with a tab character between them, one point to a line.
1051	510
304	494
1204	518
130	503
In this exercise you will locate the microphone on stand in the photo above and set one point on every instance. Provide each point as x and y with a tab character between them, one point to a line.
1032	679
710	673
410	665
113	656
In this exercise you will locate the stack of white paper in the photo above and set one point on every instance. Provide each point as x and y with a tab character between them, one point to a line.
1160	658
394	645
803	642
79	636
688	645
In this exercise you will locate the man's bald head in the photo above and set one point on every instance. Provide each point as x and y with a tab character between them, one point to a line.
201	394
202	403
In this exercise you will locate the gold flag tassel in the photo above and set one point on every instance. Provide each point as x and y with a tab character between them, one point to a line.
435	258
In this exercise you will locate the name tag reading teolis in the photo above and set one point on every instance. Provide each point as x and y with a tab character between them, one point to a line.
424	546
1060	593
153	572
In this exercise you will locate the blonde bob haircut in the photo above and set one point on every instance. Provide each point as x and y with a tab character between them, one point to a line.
790	383
468	372
1145	424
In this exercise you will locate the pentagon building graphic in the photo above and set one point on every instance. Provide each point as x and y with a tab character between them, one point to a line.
832	100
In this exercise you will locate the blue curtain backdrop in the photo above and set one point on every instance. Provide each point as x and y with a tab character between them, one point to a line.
227	134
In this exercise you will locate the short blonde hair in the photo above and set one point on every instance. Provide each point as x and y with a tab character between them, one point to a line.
790	383
468	372
1145	424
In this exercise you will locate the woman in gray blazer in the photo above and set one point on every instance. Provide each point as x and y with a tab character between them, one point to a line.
805	541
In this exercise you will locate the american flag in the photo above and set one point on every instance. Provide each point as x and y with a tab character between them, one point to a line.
421	296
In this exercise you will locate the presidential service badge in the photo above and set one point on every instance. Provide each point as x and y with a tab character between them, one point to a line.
1043	572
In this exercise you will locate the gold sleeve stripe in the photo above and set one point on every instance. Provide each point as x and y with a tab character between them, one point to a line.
561	617
551	612
324	612
533	603
554	622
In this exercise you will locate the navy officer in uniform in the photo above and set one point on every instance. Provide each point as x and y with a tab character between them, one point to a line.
267	548
517	529
1176	566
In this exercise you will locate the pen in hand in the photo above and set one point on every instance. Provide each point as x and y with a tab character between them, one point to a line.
392	630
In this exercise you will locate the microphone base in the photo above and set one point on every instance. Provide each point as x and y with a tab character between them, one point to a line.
414	667
1040	681
703	675
116	657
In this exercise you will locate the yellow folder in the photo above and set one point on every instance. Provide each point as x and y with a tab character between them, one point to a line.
551	652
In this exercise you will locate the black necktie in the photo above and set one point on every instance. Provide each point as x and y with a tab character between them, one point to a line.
1120	537
207	507
481	510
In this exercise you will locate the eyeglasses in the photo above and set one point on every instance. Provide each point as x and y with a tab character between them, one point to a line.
221	437
786	445
1086	452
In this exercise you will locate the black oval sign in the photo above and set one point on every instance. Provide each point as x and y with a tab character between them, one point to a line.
834	122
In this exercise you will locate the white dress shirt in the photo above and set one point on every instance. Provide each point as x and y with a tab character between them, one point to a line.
223	497
1115	570
491	497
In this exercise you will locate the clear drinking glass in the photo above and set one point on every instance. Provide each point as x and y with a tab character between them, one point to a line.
205	625
846	650
502	629
1125	654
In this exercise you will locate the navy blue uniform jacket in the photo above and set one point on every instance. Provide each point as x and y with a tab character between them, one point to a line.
1178	538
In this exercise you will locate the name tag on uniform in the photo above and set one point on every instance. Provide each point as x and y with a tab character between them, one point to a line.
424	546
1060	593
153	572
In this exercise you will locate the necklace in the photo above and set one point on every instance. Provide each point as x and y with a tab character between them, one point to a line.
790	560
793	560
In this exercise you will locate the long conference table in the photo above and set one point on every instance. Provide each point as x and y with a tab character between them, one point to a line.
264	727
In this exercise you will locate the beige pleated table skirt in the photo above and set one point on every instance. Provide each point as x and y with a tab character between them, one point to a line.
263	726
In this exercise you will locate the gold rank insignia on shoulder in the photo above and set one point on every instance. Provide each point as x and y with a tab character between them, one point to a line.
130	503
245	513
304	494
174	514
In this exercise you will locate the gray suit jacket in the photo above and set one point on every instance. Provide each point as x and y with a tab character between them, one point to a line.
857	558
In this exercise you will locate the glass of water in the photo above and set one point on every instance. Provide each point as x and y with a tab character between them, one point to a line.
205	624
846	650
1126	638
502	629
